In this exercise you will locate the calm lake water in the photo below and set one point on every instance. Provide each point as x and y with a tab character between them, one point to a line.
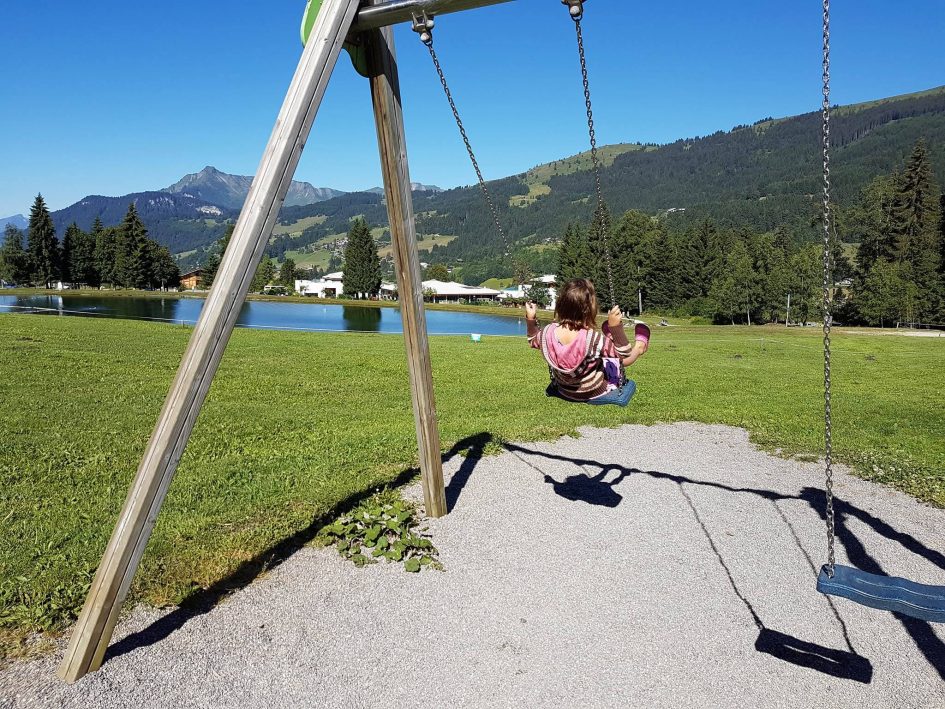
265	315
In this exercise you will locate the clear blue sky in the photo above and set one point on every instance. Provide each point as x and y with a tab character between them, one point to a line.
110	97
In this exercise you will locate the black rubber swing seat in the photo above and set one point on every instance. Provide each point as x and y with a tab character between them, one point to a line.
888	593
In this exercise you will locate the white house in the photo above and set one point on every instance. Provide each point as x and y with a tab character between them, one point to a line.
442	290
321	288
332	285
521	292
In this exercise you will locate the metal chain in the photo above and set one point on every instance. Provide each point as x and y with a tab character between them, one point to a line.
427	38
828	442
601	226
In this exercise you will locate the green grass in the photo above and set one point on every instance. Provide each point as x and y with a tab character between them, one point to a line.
497	283
297	426
424	243
538	177
296	228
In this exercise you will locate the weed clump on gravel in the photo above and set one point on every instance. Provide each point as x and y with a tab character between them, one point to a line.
385	526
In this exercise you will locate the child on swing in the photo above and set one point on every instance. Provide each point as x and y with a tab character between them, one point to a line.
584	360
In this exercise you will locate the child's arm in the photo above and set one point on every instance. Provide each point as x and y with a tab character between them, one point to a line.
635	353
531	323
616	343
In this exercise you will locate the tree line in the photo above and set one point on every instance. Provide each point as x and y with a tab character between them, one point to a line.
740	275
120	256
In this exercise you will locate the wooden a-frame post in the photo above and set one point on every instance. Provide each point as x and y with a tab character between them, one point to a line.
93	630
392	144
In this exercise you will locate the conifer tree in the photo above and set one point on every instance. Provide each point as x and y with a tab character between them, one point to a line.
915	224
165	270
14	259
362	265
43	245
265	272
106	252
132	262
566	255
216	257
287	273
80	261
869	222
69	242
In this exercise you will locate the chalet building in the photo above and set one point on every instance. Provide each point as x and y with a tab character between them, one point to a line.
191	279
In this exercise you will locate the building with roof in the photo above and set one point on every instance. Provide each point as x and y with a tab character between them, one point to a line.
440	291
191	279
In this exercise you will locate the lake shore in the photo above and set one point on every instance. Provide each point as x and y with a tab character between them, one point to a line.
501	310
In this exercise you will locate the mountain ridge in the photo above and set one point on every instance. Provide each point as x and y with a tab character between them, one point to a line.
17	220
229	191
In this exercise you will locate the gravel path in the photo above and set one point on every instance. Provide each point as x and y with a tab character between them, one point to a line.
689	584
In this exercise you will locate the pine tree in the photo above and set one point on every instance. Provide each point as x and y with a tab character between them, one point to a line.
633	253
132	263
566	255
69	242
574	259
287	273
869	222
216	257
888	295
265	272
362	265
82	266
805	282
165	268
106	253
915	225
686	266
14	259
43	246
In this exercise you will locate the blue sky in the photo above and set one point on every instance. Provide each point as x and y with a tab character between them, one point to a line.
110	97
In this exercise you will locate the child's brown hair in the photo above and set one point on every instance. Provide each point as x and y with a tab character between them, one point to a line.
577	305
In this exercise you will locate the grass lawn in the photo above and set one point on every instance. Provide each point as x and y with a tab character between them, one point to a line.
298	425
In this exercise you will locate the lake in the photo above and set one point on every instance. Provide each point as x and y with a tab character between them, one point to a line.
312	317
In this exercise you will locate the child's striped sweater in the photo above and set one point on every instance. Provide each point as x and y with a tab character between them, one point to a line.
578	368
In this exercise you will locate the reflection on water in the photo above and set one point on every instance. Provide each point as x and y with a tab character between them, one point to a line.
258	314
360	319
170	309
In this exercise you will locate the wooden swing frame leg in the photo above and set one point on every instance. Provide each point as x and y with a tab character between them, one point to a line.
392	144
93	630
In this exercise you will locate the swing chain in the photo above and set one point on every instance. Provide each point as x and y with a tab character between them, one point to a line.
828	318
423	25
577	13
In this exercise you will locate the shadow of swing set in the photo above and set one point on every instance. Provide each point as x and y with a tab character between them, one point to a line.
363	28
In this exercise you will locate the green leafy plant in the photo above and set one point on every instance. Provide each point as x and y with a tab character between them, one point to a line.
383	526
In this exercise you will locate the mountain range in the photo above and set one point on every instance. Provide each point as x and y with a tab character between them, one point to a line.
760	175
192	212
229	191
17	220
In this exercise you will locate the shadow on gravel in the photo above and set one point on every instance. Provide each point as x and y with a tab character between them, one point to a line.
474	448
204	600
839	663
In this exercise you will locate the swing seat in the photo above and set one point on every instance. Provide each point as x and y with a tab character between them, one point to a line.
888	593
619	397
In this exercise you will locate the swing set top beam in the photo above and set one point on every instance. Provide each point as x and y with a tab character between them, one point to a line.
392	12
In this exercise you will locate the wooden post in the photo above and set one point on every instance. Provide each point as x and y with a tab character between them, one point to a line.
94	628
389	120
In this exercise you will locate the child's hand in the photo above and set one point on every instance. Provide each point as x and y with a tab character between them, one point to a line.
531	311
615	317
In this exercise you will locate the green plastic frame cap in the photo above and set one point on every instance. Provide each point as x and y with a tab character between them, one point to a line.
308	19
357	52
